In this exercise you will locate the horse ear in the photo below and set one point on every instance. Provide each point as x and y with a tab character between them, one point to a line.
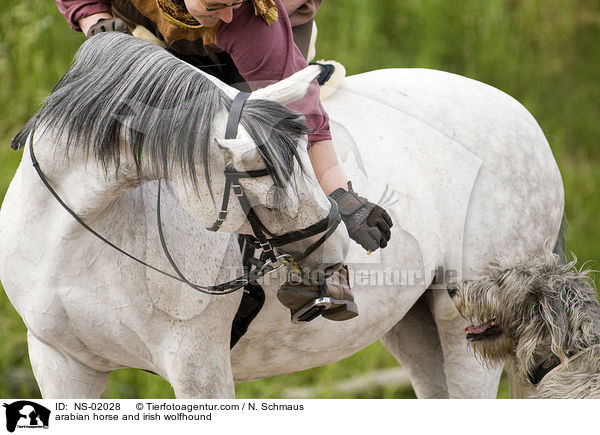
291	89
243	154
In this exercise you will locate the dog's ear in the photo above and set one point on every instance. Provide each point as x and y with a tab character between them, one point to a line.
545	315
544	322
555	317
529	338
572	307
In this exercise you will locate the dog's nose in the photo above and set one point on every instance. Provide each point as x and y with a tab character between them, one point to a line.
452	291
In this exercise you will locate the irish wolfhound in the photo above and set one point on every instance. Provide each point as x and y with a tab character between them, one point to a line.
539	317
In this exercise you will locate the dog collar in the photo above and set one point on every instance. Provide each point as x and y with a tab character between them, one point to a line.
543	369
552	363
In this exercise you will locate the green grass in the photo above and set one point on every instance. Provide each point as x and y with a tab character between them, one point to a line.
545	53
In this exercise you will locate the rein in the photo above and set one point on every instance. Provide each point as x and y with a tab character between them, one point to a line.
220	289
259	240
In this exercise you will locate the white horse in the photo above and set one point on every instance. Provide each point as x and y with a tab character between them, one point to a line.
464	170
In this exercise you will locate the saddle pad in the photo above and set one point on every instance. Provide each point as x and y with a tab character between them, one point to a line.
331	78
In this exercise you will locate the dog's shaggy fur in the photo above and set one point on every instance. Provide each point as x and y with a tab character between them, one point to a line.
527	311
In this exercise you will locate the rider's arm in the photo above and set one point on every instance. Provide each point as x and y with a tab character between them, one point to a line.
265	54
84	13
329	172
86	22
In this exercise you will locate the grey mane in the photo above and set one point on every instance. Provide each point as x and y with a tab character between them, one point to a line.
121	91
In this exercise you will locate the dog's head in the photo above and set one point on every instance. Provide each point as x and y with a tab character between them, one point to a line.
528	310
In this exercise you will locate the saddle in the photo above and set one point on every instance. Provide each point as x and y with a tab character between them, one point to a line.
253	296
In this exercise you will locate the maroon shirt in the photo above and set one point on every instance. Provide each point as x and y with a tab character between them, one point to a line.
263	54
75	10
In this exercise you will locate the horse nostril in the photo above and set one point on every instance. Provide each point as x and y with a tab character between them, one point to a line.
452	291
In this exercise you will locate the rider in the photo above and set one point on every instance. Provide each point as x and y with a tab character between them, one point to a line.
252	42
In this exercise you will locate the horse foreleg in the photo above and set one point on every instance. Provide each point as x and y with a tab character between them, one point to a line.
201	368
60	376
466	376
415	343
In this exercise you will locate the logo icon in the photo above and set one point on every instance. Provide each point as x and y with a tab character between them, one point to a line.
26	414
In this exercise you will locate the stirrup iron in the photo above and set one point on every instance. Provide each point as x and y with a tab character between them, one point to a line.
313	308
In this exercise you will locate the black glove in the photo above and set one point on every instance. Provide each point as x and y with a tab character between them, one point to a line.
367	223
108	25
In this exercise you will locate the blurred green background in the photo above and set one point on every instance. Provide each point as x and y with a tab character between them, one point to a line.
545	53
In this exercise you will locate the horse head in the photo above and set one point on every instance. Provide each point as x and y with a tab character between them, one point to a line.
269	150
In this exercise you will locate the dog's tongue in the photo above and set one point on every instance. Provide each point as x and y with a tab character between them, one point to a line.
477	329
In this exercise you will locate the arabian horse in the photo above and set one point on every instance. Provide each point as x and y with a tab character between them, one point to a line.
464	170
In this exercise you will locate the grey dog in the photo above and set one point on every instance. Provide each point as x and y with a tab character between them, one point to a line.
541	318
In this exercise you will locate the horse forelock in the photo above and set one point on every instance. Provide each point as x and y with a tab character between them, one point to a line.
124	92
277	132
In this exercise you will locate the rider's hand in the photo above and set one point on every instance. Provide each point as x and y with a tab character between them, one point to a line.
108	25
367	223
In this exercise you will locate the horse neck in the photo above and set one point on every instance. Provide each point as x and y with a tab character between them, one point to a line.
81	182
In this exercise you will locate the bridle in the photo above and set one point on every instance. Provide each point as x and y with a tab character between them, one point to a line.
262	237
